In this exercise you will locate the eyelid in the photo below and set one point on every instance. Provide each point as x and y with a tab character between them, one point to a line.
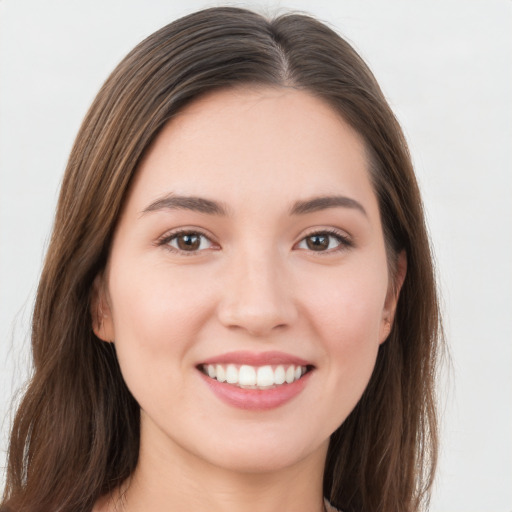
345	240
164	240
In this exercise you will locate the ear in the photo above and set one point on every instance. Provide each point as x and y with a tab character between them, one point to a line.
388	314
101	314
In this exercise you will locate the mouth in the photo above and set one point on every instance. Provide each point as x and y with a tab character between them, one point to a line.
256	381
261	377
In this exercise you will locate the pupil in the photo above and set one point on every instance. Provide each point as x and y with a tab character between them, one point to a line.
188	242
318	242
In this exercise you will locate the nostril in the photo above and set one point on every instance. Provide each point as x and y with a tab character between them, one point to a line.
256	316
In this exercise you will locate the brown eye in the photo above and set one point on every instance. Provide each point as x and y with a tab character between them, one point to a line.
317	242
324	241
189	242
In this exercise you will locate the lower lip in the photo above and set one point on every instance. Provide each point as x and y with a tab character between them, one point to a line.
256	399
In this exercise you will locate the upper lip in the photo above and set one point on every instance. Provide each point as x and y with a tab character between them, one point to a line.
256	358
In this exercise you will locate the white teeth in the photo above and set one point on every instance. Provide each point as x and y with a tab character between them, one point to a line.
231	374
221	373
247	376
279	375
265	376
290	374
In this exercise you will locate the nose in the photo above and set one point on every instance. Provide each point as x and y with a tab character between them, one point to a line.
257	296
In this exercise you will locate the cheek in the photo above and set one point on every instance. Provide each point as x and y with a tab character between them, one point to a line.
346	314
349	300
156	304
157	317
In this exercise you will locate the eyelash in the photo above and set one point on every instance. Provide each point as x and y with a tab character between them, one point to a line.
343	240
169	237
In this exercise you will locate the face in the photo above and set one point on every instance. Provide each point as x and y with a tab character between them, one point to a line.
247	288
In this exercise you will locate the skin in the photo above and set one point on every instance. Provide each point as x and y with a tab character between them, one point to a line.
253	284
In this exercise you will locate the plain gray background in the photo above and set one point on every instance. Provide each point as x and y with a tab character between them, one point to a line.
446	70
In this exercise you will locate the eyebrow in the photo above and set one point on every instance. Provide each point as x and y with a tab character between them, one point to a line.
209	207
196	204
324	202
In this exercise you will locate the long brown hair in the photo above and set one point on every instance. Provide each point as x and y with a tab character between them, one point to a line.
76	433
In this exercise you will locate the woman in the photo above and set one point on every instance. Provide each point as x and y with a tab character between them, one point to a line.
238	308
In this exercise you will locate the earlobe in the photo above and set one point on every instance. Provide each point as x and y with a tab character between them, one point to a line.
392	296
101	316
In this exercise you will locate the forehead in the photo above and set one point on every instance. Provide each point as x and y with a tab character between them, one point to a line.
243	144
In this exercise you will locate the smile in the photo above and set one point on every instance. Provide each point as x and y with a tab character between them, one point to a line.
254	377
256	381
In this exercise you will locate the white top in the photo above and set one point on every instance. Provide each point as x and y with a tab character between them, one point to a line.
329	507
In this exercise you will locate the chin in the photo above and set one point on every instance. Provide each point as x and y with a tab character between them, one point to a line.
264	455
